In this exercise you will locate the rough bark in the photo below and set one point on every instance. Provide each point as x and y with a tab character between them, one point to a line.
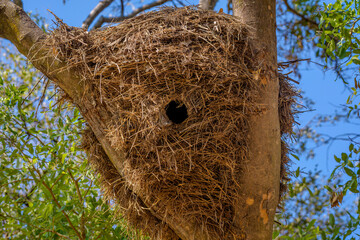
19	3
260	181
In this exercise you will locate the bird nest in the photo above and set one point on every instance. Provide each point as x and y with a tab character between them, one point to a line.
179	87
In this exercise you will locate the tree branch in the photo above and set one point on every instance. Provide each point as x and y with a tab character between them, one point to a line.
18	28
19	3
122	7
145	7
58	205
261	180
299	14
207	4
95	12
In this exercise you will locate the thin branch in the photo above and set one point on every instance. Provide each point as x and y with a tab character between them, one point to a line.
40	180
15	181
122	7
58	204
229	6
31	91
95	12
145	7
27	130
57	179
353	26
7	216
299	14
42	96
76	186
82	219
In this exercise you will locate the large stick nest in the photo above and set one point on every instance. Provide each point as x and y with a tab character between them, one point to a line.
178	87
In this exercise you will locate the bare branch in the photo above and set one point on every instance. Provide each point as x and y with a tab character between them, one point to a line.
207	4
299	14
122	7
95	12
145	7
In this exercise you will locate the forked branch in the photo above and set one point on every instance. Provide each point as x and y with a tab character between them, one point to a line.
145	7
95	12
303	17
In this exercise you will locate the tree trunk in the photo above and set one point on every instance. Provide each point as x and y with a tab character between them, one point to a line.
260	182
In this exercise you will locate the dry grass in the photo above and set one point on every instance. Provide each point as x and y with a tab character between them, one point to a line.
204	61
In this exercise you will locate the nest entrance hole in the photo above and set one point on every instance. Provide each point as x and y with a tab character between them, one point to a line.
176	112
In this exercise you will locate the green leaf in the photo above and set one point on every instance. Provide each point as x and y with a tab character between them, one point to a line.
331	219
295	156
328	188
23	88
350	172
331	46
310	225
291	190
356	61
30	148
350	164
342	53
344	156
63	156
354	186
275	234
323	235
62	208
47	210
310	192
351	147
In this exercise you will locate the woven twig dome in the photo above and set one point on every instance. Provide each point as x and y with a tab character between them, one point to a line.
178	86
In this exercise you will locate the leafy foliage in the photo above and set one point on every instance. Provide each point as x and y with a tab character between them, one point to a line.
47	189
339	39
311	215
340	32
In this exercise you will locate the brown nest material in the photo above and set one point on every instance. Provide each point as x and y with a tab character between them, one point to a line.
178	89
